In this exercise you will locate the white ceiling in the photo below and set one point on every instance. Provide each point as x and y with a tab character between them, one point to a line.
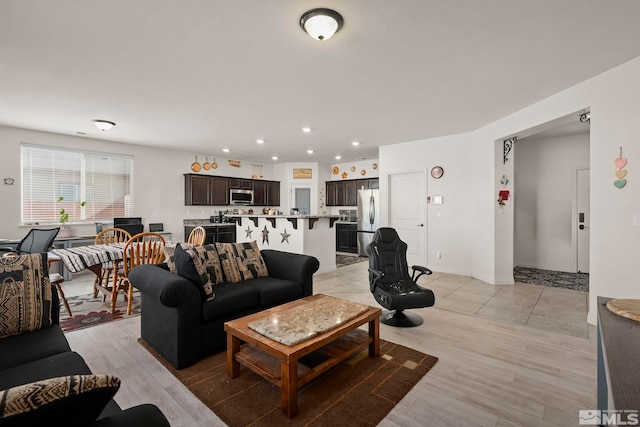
200	75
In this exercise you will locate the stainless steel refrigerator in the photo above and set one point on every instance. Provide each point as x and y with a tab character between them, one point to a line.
368	214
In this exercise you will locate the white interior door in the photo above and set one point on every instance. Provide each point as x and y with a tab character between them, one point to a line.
407	213
583	216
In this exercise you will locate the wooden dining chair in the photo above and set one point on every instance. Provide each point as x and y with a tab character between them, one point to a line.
197	236
107	236
143	248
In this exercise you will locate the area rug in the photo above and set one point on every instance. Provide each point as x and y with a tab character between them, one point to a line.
357	392
343	260
88	311
556	279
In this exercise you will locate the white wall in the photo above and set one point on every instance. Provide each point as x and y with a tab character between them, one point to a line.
448	225
544	185
615	241
158	180
284	172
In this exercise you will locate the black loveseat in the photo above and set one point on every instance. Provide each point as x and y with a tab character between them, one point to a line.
184	327
34	358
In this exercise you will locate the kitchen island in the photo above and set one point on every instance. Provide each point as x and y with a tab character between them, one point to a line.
303	234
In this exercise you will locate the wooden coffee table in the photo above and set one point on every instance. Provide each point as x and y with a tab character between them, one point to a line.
281	363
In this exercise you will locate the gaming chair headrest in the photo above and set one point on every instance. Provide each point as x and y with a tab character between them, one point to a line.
386	235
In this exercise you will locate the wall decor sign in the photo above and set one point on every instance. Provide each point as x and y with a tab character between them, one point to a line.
620	163
302	173
234	163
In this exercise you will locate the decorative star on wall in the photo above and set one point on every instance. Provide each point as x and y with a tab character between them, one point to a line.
265	235
285	236
248	231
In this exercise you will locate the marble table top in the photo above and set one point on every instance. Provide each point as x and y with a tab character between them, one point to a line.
309	320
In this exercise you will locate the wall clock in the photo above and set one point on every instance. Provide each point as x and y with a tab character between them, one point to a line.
437	172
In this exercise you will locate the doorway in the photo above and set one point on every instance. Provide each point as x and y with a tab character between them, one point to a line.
583	217
551	198
302	199
407	213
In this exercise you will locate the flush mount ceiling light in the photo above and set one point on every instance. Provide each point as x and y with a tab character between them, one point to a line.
260	141
321	24
306	129
103	124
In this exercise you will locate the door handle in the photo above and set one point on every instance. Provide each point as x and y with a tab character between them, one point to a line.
420	225
582	227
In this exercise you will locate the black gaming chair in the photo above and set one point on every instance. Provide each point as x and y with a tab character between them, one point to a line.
390	282
36	241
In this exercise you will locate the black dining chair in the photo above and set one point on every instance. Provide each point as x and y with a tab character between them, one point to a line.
40	241
390	282
36	241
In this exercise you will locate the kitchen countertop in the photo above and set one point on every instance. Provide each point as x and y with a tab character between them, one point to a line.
205	223
282	216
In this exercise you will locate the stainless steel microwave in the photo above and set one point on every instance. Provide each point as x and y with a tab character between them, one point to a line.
240	197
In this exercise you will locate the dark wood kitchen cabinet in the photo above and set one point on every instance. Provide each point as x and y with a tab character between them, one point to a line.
331	193
345	193
241	183
203	190
207	190
273	193
350	193
197	190
219	191
215	233
260	193
266	193
346	238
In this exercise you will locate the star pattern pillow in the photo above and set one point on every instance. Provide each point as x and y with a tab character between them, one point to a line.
241	261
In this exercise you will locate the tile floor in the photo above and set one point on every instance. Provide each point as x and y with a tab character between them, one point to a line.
552	309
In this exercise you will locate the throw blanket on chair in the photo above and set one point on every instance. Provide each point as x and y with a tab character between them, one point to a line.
25	294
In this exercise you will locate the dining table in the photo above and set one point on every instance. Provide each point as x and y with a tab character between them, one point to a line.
92	257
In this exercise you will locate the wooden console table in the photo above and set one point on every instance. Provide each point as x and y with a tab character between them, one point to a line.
618	360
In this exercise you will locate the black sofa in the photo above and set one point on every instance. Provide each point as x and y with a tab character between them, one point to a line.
184	328
45	353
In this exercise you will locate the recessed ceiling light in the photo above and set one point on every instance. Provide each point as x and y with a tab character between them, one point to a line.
306	129
338	157
260	141
309	151
226	150
355	143
274	158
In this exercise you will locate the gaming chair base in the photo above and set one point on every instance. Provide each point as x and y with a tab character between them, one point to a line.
400	319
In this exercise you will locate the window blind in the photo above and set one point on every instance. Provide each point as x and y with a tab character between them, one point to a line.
102	180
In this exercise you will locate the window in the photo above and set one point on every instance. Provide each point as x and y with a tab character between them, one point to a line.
103	181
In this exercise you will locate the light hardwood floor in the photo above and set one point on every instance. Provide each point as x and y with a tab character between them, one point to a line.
518	355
